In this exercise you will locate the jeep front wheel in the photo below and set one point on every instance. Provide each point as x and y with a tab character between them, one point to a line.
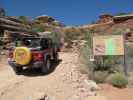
56	57
46	67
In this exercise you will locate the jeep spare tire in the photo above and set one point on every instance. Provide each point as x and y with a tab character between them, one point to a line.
22	55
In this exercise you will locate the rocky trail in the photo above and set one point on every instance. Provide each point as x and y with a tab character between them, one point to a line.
64	83
61	84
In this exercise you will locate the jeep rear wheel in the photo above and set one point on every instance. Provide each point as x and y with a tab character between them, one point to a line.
18	70
46	67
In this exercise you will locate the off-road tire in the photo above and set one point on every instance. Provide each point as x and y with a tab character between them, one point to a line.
45	69
17	70
56	57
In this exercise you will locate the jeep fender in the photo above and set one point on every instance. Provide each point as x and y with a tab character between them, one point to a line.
46	56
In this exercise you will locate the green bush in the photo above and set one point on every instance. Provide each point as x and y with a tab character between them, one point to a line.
83	69
56	37
40	28
129	51
85	55
105	63
130	79
100	76
88	66
118	80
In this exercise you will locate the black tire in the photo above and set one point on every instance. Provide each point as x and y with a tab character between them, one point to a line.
46	67
18	70
56	57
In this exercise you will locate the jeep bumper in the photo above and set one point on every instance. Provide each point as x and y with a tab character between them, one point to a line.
12	63
36	64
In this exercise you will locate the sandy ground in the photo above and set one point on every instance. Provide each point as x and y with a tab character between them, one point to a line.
31	85
62	84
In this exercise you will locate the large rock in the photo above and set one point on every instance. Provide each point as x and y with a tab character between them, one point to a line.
91	85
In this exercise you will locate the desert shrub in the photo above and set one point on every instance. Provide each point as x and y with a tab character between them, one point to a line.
118	31
103	63
100	76
117	68
129	51
39	28
118	80
106	63
85	54
83	69
130	79
71	34
56	37
88	65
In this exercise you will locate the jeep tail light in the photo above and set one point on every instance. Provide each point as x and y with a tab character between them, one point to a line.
37	56
10	55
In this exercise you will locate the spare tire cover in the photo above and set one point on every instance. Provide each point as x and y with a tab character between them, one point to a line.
22	55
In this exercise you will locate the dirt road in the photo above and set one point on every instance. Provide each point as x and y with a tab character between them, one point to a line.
64	83
59	85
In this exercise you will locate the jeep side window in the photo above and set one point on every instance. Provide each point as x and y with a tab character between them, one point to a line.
44	44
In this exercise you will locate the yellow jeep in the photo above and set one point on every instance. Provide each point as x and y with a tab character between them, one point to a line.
33	52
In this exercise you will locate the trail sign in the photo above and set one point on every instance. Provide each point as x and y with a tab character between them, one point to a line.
108	45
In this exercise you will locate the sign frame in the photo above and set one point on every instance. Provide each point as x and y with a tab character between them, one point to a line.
108	45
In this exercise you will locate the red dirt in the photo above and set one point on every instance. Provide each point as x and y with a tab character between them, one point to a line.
113	93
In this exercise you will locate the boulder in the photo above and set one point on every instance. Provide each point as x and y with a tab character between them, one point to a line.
91	85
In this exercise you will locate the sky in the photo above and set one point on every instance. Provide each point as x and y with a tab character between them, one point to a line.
69	12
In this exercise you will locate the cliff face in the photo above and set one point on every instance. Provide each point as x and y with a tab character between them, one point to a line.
108	24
